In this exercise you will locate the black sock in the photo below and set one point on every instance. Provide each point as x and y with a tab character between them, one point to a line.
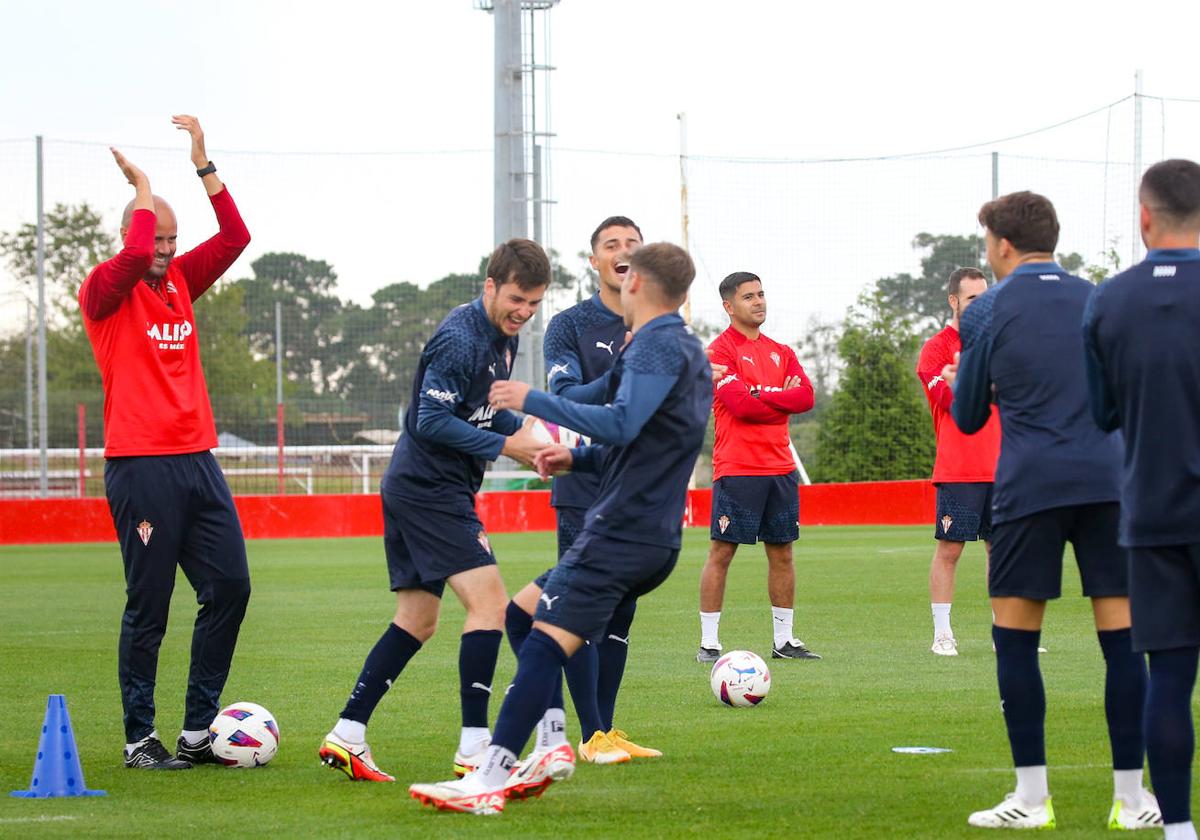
477	654
517	624
1022	696
383	664
1124	698
539	664
581	671
614	651
1170	738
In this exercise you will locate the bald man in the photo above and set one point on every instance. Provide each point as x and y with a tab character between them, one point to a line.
169	500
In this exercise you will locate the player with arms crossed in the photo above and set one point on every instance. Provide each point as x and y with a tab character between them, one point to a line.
1056	482
580	347
1144	378
964	466
168	497
648	435
756	486
432	535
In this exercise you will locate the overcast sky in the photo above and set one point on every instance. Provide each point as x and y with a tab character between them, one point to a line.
315	113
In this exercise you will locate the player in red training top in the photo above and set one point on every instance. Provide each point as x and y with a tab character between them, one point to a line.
169	500
964	466
756	486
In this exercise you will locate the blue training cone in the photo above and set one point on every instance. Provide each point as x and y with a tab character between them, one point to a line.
57	771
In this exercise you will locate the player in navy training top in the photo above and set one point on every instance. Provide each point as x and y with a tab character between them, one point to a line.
1056	481
1140	329
580	347
432	535
648	435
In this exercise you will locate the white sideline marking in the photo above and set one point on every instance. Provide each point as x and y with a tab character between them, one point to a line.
896	550
43	818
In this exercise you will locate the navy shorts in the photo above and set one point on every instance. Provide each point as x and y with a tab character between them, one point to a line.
1027	553
749	508
425	546
1164	594
964	512
174	509
596	576
570	523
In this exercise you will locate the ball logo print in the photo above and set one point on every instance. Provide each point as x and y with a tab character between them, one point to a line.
740	678
244	735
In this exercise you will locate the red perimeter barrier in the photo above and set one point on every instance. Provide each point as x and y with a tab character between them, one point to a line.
270	517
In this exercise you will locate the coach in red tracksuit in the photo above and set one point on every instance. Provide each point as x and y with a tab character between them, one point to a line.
169	500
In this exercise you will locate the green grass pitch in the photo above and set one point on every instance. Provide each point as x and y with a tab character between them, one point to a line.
815	759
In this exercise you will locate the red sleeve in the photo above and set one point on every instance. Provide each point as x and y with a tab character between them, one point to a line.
929	371
108	283
733	393
792	400
205	263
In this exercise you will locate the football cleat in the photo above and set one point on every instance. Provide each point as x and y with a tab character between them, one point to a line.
352	759
1146	815
708	654
1013	813
533	775
466	795
945	645
793	649
600	749
621	740
464	764
150	754
196	753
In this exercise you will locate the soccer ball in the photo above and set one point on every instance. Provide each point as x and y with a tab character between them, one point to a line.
244	735
546	432
740	678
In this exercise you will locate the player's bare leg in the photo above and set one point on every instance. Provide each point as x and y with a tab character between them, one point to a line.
781	588
941	594
712	596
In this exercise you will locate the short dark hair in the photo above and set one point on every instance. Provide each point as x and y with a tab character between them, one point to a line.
520	261
960	274
1025	219
667	266
614	221
730	284
1171	188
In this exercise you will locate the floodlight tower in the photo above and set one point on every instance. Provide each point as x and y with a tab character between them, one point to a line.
521	171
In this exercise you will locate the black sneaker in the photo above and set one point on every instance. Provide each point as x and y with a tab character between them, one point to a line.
198	754
795	649
150	754
708	654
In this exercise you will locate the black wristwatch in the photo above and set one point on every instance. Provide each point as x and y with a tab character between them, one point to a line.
208	170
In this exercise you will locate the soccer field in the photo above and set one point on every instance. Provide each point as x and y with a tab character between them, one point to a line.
815	759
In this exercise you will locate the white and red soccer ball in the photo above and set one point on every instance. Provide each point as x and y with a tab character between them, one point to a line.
546	432
740	678
244	735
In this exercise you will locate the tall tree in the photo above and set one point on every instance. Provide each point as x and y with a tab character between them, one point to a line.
876	426
923	297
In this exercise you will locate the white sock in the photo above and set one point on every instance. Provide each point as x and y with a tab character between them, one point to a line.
350	731
495	768
129	748
1127	786
1179	831
941	620
552	730
473	739
1032	788
194	737
709	622
781	624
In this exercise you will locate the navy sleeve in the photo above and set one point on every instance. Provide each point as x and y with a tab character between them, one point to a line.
588	459
505	422
447	377
972	404
1100	396
592	393
651	367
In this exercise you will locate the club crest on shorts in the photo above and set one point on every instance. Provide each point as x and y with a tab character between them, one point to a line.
946	523
723	523
144	530
483	541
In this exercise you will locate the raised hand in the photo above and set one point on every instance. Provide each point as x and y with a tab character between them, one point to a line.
191	125
132	174
508	393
